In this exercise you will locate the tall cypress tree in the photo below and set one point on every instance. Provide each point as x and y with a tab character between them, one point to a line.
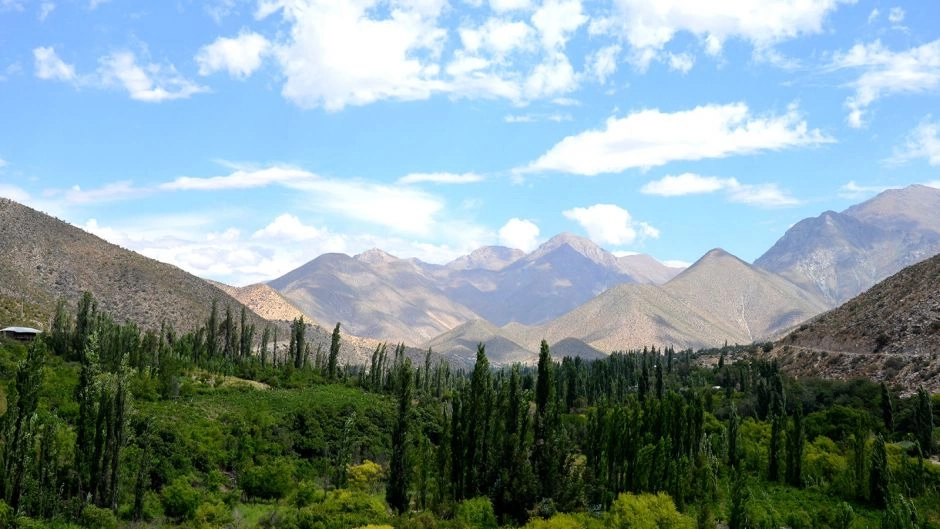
544	460
923	421
795	441
879	478
397	492
887	409
733	422
334	353
475	416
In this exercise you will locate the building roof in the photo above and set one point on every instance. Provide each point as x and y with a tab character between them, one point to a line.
21	330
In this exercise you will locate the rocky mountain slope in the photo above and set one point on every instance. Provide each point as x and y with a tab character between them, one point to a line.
374	295
718	299
889	333
840	255
378	295
264	301
43	259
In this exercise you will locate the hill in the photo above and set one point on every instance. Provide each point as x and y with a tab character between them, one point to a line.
43	259
839	255
263	300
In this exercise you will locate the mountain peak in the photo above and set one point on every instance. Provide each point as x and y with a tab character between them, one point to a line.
582	245
493	258
375	256
915	206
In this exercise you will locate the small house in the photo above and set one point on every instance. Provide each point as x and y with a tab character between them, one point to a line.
23	334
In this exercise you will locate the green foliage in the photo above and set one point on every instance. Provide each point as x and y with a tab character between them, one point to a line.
268	481
212	516
180	499
476	513
646	511
98	518
342	509
365	476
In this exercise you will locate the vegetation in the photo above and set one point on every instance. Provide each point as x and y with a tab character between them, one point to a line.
102	425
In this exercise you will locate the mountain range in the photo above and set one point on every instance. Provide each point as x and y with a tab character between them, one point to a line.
583	299
570	287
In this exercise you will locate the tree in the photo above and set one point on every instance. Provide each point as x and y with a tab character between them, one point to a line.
17	423
795	441
545	461
879	478
733	423
887	409
397	492
923	421
777	426
334	353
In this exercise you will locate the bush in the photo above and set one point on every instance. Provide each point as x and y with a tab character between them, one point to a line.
212	516
268	482
365	476
179	499
646	511
98	518
476	513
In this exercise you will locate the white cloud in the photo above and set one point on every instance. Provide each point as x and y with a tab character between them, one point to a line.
151	83
896	15
885	72
50	67
933	183
110	192
680	62
240	56
94	4
650	138
339	53
556	117
687	184
521	234
45	9
3	163
648	26
501	6
764	195
675	263
610	224
240	179
556	20
289	227
854	191
440	178
13	192
873	16
922	142
602	63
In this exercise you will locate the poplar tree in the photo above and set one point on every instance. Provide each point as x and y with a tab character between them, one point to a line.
923	421
334	353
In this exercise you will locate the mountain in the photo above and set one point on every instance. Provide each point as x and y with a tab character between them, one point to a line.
492	258
718	299
263	301
501	348
374	295
753	303
890	333
43	259
898	315
378	295
840	255
556	277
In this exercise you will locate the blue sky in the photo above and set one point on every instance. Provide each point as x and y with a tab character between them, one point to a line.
240	139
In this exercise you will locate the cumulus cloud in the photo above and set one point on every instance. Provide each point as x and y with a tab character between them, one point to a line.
340	53
648	26
650	138
885	72
151	83
521	234
240	56
764	195
45	9
687	184
440	178
610	224
896	15
13	192
922	142
289	227
50	67
854	191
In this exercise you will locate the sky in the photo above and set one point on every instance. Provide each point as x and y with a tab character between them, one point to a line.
240	139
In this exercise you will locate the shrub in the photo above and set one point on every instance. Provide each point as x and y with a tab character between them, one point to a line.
476	513
212	516
365	476
179	499
646	511
98	518
267	482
